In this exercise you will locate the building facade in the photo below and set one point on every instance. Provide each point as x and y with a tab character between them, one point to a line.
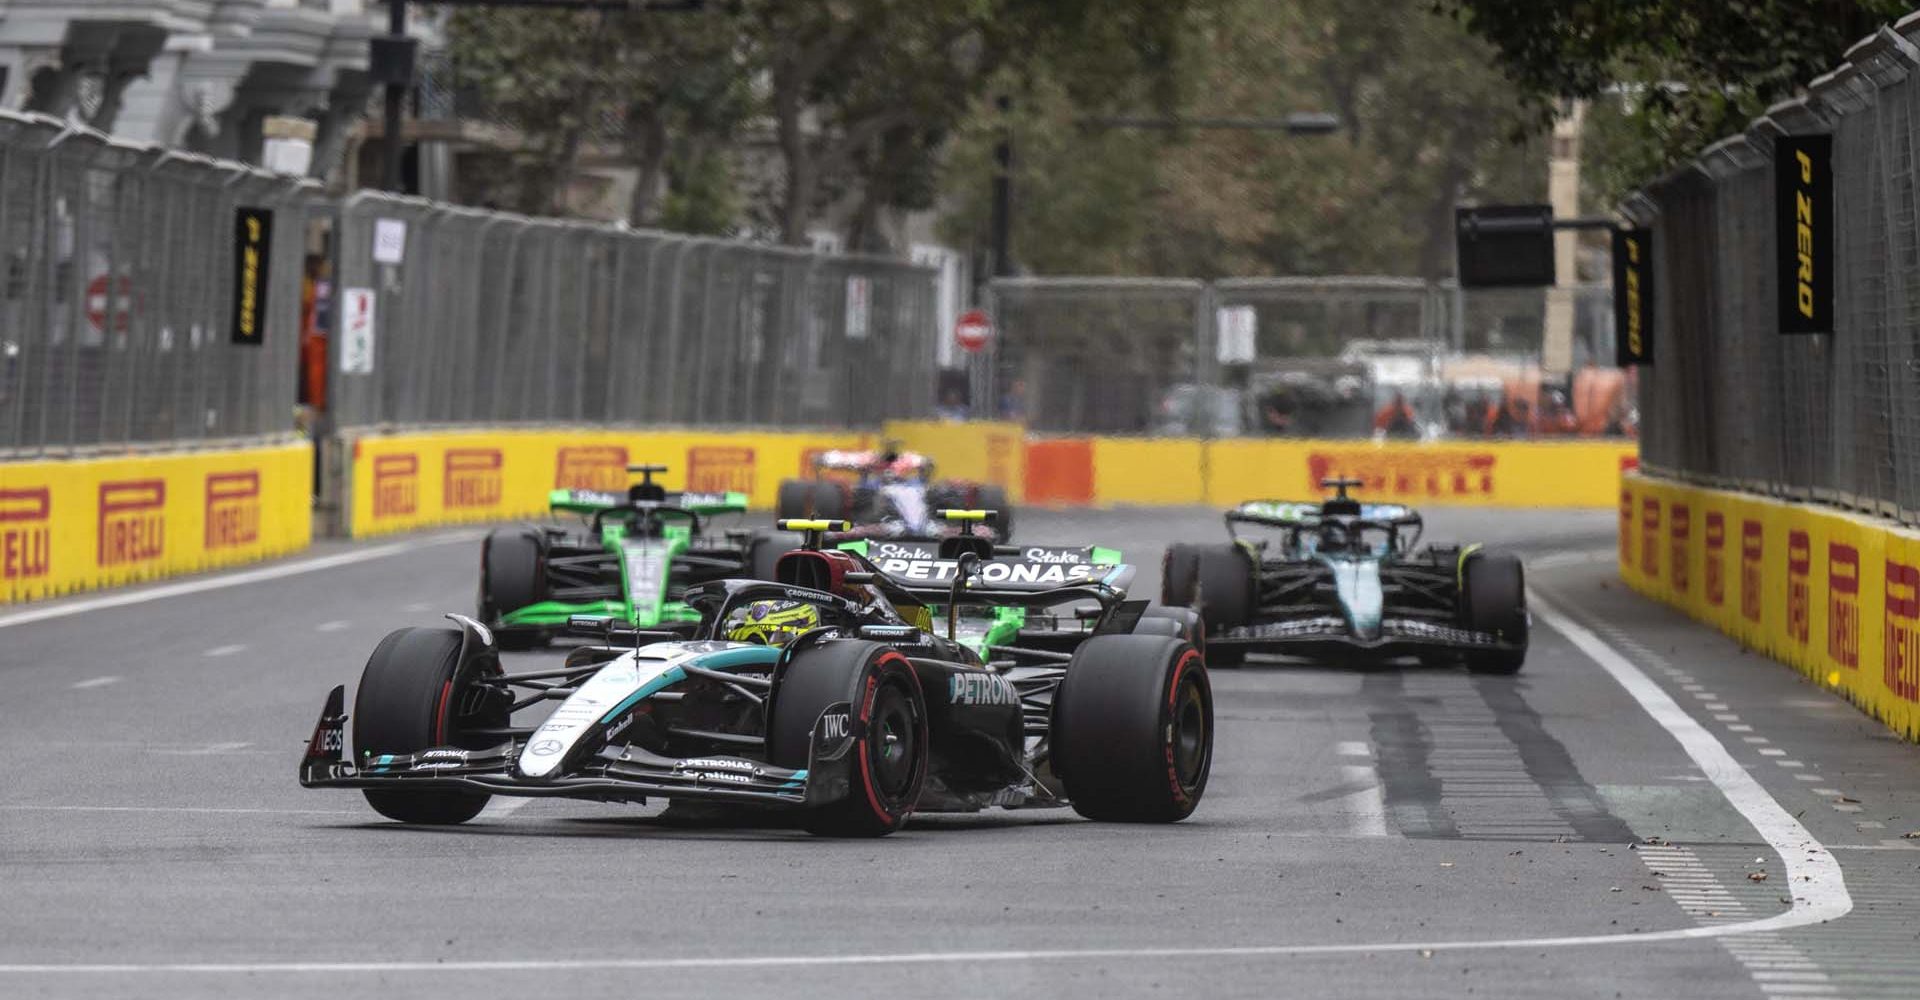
195	74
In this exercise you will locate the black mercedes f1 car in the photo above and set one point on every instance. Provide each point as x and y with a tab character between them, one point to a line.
839	691
1345	580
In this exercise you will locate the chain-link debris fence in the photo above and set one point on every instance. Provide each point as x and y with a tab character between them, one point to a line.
117	322
453	315
1339	356
1729	400
126	283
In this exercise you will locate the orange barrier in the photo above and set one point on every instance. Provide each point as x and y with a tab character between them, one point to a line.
1059	472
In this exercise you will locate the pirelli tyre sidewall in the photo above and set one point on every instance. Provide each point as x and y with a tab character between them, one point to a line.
513	575
888	718
1132	730
1186	623
1493	598
409	700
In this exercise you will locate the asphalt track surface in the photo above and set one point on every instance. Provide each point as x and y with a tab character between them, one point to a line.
1596	827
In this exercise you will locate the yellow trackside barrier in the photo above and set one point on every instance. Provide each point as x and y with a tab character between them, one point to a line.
406	481
78	524
1149	471
1489	473
984	451
1834	594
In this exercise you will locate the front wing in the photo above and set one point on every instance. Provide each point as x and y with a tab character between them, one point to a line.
1306	636
613	773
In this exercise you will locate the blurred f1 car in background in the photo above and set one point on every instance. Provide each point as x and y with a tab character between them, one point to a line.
888	493
631	560
834	692
1348	580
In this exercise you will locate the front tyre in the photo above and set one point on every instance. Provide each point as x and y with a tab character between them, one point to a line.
410	697
513	575
1493	598
888	717
1132	731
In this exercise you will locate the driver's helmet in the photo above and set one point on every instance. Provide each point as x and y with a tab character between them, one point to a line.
772	623
904	466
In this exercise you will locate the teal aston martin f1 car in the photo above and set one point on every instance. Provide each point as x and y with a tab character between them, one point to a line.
638	554
1344	580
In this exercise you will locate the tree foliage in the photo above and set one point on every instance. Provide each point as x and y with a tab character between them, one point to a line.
1426	123
1677	74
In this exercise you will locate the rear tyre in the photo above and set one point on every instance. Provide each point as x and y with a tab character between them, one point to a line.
1493	598
513	575
1180	575
1223	593
995	498
1187	624
794	501
830	501
1132	732
410	693
763	555
887	709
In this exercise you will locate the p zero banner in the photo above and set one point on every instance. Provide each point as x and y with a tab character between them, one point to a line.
252	240
1803	224
77	524
1633	297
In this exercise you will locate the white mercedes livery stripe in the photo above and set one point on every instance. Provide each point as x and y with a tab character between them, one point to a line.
1820	893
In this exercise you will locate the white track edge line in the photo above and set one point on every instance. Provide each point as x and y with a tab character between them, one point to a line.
1819	892
200	586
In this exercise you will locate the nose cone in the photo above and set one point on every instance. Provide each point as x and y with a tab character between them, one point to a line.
1357	584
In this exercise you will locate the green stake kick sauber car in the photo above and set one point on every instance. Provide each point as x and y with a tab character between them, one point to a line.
1346	580
639	552
837	692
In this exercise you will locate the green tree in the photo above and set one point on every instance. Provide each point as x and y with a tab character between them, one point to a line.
1426	123
1683	72
667	90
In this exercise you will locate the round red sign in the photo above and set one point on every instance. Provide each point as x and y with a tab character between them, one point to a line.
973	331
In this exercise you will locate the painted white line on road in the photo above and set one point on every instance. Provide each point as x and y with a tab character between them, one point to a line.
1820	891
209	810
95	682
503	806
240	579
1366	809
218	651
1353	748
333	626
210	750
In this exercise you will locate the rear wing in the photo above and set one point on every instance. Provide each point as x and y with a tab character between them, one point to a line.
594	501
1299	514
1020	574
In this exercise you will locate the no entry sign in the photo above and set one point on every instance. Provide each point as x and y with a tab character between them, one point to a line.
973	331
